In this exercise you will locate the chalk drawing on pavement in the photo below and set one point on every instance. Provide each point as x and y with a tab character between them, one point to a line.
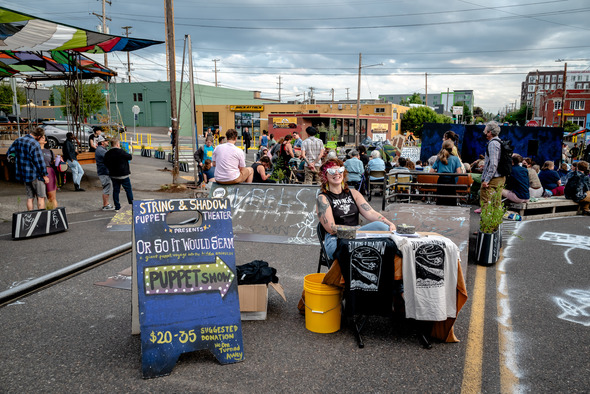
570	241
575	306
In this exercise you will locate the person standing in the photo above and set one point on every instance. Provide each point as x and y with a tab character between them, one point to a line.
246	138
117	163
574	152
103	172
264	139
51	186
491	179
70	156
230	162
312	150
298	141
92	140
30	166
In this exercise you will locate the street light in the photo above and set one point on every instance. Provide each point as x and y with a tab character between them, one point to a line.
358	101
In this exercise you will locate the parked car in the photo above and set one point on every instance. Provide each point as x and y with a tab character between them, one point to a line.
106	127
55	133
4	119
16	119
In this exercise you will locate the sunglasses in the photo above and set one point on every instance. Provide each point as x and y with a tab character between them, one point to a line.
335	170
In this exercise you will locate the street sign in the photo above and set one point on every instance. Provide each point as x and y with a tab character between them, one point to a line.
457	110
105	92
136	110
532	123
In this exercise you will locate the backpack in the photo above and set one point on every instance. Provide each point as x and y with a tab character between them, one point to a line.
505	162
573	188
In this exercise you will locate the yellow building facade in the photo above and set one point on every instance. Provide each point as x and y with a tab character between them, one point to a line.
378	121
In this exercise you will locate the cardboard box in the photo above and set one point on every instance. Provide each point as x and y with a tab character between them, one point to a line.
254	300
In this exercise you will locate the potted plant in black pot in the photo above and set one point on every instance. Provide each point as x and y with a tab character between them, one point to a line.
489	236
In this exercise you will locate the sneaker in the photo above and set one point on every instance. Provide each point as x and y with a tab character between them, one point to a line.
108	207
478	210
586	213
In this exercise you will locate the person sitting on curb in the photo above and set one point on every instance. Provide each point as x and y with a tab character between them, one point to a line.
103	172
259	169
577	188
70	156
517	184
230	162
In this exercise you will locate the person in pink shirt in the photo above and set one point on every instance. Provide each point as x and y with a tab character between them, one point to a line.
230	162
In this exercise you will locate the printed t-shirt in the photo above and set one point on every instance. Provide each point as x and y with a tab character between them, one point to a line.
344	208
368	269
208	153
430	277
228	159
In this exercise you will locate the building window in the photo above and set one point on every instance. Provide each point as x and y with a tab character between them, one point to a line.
553	86
394	117
578	104
312	111
379	110
557	105
554	78
541	79
578	120
560	78
396	126
45	103
531	88
137	96
586	86
529	96
559	86
532	79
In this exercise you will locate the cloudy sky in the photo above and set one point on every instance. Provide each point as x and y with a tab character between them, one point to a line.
484	45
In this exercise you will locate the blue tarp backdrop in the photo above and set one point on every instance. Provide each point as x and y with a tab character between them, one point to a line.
539	143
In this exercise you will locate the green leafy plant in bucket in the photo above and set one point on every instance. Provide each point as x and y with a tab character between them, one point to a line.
492	214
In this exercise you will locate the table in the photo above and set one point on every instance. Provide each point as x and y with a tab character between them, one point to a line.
442	330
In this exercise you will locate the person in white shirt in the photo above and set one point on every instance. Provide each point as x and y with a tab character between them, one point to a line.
230	162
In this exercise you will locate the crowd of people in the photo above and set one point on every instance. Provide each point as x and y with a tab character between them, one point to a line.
43	172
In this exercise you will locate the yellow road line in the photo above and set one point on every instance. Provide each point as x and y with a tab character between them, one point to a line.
472	369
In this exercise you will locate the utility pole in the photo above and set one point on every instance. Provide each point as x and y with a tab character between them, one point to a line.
172	73
128	61
347	94
193	106
357	125
311	98
104	19
280	85
563	97
332	96
426	89
215	61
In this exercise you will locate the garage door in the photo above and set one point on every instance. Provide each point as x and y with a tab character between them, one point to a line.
159	112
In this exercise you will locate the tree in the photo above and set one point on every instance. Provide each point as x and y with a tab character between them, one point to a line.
83	100
467	116
413	120
519	117
570	127
478	112
7	97
414	99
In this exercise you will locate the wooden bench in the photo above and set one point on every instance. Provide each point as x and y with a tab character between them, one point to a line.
422	185
544	208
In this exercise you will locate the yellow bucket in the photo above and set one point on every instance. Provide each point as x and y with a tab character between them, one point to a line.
322	305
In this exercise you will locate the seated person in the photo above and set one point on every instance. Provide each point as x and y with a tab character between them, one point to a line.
418	165
376	163
447	163
339	205
355	168
477	166
230	162
402	166
260	168
564	169
208	171
517	183
550	179
535	186
578	187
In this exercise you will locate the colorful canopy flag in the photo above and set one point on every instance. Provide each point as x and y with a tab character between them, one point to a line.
22	32
39	66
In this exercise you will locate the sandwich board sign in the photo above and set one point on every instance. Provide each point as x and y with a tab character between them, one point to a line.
185	278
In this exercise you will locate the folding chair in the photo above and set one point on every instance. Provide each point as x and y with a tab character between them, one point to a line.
324	260
372	184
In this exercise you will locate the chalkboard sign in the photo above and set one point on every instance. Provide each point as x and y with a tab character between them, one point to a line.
186	282
276	213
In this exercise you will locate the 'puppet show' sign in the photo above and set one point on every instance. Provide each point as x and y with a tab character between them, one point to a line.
186	282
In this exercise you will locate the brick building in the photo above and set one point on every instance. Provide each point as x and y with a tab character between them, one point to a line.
575	109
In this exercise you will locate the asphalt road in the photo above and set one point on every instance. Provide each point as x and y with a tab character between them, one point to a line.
523	329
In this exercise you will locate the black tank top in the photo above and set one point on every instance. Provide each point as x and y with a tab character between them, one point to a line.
257	178
344	208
